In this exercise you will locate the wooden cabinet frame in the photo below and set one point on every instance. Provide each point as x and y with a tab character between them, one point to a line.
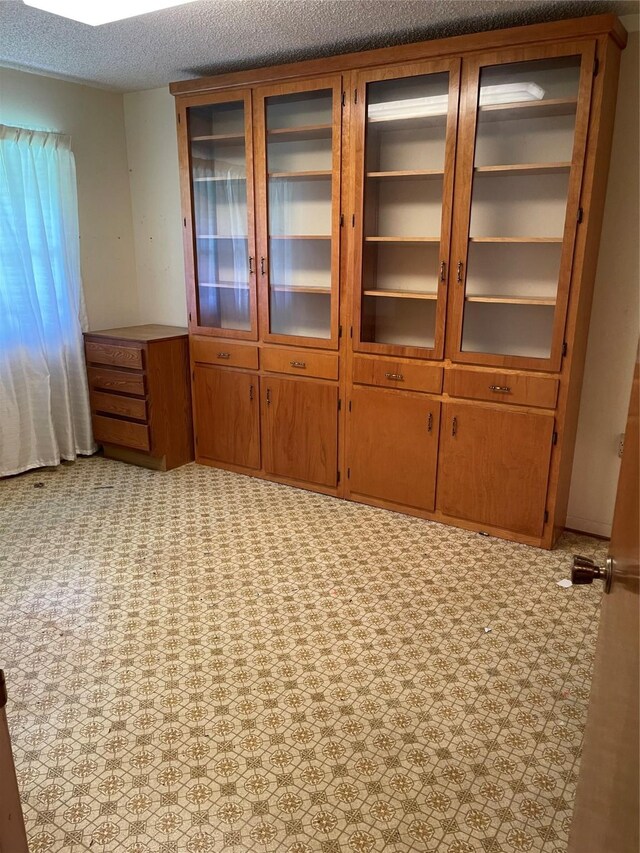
358	160
189	236
480	381
261	95
464	187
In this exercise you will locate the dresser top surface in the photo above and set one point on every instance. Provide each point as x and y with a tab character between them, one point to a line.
145	334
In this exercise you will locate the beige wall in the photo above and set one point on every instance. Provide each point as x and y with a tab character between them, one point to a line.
613	335
155	198
95	120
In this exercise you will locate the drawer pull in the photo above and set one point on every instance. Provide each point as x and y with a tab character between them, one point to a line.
454	427
268	396
397	376
459	272
251	392
224	355
301	364
500	389
430	422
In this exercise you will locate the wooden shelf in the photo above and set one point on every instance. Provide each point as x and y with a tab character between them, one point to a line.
221	237
408	173
218	179
382	123
310	131
528	109
224	285
524	169
294	288
515	239
401	294
513	300
301	176
402	239
299	236
219	137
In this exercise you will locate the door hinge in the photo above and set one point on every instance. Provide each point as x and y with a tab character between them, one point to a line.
341	220
349	405
355	96
580	215
555	437
339	331
353	220
338	478
348	473
564	348
184	222
339	404
596	66
351	331
344	98
546	516
189	316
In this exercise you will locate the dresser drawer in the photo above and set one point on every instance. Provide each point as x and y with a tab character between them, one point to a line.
515	388
115	404
397	374
113	431
300	362
101	379
206	351
116	354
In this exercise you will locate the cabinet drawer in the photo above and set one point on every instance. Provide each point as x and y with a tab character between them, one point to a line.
116	380
397	374
116	354
125	433
515	388
300	362
115	404
206	351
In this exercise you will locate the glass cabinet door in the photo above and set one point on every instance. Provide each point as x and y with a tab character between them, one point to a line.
523	135
405	143
219	141
298	186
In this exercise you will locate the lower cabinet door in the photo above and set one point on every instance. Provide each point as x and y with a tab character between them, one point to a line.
300	429
494	466
227	415
393	446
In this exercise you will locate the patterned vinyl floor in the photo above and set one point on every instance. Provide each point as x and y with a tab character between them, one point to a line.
198	661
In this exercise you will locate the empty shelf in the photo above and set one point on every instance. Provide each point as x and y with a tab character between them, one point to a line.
402	294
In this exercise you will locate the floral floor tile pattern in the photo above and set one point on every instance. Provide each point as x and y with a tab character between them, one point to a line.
198	662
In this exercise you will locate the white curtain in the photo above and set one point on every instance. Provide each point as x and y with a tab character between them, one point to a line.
44	400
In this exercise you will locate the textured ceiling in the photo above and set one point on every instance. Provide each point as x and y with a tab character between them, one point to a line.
210	36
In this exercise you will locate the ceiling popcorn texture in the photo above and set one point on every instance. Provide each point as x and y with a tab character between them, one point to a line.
212	36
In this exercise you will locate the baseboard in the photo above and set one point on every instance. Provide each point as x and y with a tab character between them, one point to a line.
589	527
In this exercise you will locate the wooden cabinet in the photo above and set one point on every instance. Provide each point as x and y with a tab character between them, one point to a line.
300	436
393	446
494	466
227	413
140	395
405	230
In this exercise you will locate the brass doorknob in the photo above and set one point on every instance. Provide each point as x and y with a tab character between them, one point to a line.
586	570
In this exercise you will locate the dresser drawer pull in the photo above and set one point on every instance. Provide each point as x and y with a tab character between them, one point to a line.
302	364
397	376
224	355
500	389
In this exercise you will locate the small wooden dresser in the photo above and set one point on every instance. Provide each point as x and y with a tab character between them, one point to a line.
140	394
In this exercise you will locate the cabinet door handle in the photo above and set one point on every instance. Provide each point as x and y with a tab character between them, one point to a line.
224	355
268	397
454	427
500	389
251	269
302	364
397	376
430	422
251	392
459	275
261	266
443	271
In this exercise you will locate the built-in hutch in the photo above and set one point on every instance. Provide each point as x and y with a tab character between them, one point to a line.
390	259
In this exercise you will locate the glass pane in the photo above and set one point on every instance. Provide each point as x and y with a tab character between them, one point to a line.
524	147
404	161
219	172
299	174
